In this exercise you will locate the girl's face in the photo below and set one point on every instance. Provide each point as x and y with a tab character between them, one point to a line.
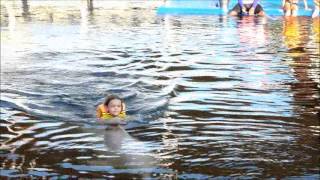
114	107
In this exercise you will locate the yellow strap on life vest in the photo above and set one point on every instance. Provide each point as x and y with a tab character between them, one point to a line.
106	115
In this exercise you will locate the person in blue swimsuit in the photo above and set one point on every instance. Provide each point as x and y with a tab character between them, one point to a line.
247	7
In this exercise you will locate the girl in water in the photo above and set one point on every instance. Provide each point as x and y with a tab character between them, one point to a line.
113	107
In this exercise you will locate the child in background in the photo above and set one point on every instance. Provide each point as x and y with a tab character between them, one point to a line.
290	7
111	108
316	8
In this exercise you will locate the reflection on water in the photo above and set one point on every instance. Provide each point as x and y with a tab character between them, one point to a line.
304	66
209	97
113	137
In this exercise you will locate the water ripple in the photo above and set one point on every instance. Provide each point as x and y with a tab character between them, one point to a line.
200	106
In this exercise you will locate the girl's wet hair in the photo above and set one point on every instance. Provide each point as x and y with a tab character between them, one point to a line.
112	97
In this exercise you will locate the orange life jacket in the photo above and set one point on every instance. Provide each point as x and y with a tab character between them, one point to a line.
104	114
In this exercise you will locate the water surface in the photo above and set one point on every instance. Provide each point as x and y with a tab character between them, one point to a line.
211	97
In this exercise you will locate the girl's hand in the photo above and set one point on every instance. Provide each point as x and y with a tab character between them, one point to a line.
244	10
251	11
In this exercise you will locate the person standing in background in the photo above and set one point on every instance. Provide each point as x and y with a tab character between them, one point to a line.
316	8
290	7
224	4
247	7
